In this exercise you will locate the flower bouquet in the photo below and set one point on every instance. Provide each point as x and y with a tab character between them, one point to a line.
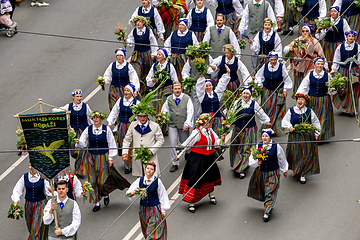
101	81
121	32
242	43
166	3
304	128
296	3
72	135
86	187
200	65
188	84
15	212
161	74
325	23
162	119
140	191
199	50
337	82
229	98
357	3
259	153
298	45
143	154
20	143
257	90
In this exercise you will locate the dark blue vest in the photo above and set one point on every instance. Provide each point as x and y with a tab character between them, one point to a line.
300	118
78	119
143	39
152	198
273	79
271	163
248	114
167	68
348	54
120	77
352	10
225	7
336	36
318	87
125	112
150	15
70	192
211	104
98	141
233	69
34	191
198	20
309	4
266	46
181	42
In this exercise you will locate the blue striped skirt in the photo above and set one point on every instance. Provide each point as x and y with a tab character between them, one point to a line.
322	106
264	186
298	77
114	94
34	212
303	158
142	62
170	27
239	155
354	24
233	86
329	50
161	95
178	60
199	35
232	21
150	220
81	154
123	127
275	108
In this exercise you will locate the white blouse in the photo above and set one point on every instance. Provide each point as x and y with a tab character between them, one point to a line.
76	108
255	46
153	41
245	75
133	77
304	87
337	56
158	21
167	43
260	77
20	186
116	109
259	112
209	18
150	76
220	87
323	32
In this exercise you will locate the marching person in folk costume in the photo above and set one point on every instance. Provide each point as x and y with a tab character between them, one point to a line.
343	100
200	19
201	162
148	11
302	156
352	13
311	10
35	201
313	50
79	120
232	11
102	149
274	77
165	90
68	212
119	74
123	112
265	181
235	64
210	98
220	35
245	131
143	133
265	42
176	45
314	85
181	110
333	37
145	51
289	20
252	21
154	206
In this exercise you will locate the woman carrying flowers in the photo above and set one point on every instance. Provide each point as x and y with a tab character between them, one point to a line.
153	205
102	149
245	131
302	156
35	202
200	163
200	19
265	181
123	112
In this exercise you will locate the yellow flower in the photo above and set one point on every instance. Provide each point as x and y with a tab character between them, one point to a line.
224	122
258	155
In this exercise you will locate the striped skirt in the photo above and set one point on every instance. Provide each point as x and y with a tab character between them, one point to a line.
303	158
354	24
233	86
170	27
322	106
142	62
114	181
123	127
114	94
298	77
232	21
343	99
239	154
329	50
34	212
152	226
217	124
289	17
260	62
199	35
178	60
98	172
275	108
80	155
161	95
264	186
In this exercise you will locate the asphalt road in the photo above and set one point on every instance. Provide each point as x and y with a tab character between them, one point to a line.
34	66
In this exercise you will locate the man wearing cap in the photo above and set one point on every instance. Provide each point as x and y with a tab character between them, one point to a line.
176	45
68	214
181	110
220	35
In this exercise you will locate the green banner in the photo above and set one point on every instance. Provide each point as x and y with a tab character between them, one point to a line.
46	134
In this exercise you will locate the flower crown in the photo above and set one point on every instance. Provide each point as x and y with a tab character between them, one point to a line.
231	50
205	119
300	95
97	114
146	20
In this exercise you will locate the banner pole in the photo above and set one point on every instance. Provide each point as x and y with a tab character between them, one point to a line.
53	201
40	104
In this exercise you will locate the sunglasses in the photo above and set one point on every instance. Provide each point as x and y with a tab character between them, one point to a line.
305	30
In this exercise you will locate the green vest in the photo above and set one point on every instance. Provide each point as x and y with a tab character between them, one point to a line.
177	113
64	217
219	40
257	16
194	73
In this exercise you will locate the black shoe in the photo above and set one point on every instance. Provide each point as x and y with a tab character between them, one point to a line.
106	200
174	168
191	209
187	156
128	170
213	200
96	208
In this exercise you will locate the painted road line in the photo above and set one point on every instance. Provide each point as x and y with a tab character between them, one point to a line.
12	167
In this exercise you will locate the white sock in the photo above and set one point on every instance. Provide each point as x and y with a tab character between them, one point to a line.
106	196
290	28
97	204
211	194
302	179
191	205
266	215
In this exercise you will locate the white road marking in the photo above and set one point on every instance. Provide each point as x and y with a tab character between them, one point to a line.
12	167
95	91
